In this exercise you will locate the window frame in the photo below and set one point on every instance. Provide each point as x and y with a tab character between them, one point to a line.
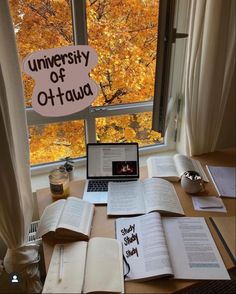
90	114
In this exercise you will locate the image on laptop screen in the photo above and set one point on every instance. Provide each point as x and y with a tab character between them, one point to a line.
111	161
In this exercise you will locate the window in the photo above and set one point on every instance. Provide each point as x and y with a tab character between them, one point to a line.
124	34
47	141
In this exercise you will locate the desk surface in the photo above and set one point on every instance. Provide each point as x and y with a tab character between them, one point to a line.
103	226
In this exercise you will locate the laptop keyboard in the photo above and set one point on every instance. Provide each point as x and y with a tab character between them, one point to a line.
98	186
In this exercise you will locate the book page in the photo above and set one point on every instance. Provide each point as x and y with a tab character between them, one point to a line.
198	167
162	167
72	263
144	246
183	164
50	218
77	215
160	195
193	252
125	198
104	267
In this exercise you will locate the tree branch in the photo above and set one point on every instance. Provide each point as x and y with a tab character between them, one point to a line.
49	9
119	93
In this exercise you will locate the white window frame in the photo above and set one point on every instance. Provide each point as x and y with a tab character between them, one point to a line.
90	114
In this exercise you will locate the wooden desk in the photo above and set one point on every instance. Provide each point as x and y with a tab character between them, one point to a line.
104	226
226	228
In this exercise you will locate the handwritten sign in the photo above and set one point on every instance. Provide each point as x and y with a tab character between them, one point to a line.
130	237
61	75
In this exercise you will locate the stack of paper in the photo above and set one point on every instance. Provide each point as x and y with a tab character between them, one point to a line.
206	203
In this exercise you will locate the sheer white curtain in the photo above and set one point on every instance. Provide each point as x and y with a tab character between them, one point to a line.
209	71
16	202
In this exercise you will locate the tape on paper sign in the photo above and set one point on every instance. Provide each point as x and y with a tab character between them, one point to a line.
62	82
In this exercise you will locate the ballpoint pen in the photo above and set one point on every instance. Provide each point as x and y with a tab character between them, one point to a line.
61	262
212	206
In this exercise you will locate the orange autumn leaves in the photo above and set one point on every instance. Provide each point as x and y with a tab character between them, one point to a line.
124	34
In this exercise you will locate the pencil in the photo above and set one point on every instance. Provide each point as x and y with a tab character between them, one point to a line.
61	262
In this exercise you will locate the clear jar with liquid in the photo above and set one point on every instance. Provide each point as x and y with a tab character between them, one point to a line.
59	183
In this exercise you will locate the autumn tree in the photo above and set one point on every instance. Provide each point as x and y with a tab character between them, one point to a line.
124	34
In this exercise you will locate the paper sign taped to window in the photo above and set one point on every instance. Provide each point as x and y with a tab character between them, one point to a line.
62	82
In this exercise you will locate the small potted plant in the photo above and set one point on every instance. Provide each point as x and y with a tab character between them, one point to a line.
69	167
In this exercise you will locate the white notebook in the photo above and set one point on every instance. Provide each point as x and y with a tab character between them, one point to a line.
223	179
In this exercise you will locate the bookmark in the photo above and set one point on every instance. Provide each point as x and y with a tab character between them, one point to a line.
128	267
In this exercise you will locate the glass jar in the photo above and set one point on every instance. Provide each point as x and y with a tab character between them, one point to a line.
59	183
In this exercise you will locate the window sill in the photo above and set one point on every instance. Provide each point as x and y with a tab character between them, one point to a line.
39	181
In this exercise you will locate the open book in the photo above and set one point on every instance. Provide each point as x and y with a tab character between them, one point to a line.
172	167
69	219
84	267
139	197
173	246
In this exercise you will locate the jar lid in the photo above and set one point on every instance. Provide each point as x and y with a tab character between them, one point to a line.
58	173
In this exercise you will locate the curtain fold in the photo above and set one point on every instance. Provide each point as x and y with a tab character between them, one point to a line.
209	71
27	258
16	202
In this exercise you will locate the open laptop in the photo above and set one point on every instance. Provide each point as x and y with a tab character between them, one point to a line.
109	162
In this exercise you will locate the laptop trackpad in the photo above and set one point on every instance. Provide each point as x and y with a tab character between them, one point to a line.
96	197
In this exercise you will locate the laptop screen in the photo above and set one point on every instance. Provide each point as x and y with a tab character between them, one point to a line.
112	161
